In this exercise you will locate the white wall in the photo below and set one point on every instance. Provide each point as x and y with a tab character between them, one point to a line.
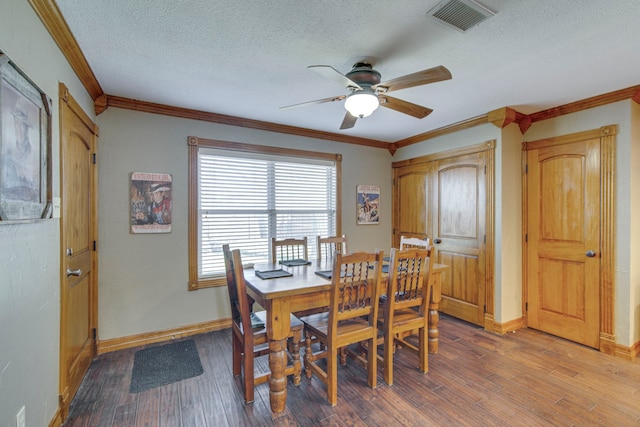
143	278
29	252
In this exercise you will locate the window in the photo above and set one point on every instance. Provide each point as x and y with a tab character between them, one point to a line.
245	194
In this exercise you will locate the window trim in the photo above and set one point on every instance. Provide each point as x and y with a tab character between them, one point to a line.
194	143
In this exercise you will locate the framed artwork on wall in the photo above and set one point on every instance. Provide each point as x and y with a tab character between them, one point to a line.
368	204
25	146
150	202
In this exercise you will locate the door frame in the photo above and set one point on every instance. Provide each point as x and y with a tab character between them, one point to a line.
70	103
607	136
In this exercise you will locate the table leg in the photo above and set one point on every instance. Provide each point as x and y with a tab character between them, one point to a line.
277	330
434	317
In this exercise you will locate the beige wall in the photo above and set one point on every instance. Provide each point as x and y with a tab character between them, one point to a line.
29	251
143	278
508	193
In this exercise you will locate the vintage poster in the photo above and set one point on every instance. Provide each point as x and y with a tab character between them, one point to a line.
150	202
368	201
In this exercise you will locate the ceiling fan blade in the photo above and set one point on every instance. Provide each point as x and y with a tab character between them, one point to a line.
423	77
405	107
318	101
348	122
335	75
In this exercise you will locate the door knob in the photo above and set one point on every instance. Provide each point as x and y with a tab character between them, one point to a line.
591	254
70	272
437	240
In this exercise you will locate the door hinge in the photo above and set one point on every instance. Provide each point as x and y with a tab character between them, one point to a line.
526	238
485	169
526	168
94	245
526	306
93	158
485	239
93	332
484	308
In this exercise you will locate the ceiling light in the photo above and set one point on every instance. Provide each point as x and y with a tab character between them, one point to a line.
361	103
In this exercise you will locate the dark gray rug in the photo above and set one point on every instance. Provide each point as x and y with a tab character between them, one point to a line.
165	364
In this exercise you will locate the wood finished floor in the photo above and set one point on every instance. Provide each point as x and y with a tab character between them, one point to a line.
526	378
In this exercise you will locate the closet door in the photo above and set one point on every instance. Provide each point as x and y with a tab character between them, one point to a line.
411	202
459	229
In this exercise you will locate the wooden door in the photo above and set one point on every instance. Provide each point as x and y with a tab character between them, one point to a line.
563	238
459	233
411	202
78	295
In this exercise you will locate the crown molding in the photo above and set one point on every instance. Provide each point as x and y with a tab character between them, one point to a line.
52	19
185	113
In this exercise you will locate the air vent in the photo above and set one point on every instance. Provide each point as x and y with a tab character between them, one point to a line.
459	14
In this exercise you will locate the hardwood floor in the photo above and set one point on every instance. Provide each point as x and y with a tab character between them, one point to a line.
526	378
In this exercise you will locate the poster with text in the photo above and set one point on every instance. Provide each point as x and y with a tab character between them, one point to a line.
368	209
150	202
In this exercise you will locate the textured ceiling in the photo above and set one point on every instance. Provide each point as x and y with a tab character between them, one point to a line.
248	58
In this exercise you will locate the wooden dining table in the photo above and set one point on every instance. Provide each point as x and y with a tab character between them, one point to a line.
305	290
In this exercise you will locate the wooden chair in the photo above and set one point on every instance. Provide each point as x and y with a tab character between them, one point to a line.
248	344
414	242
288	249
328	246
351	318
406	308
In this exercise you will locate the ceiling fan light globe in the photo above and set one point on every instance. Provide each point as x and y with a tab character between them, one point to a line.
361	104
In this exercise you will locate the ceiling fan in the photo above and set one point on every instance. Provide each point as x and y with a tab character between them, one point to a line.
366	92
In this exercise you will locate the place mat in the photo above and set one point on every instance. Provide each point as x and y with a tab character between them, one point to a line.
273	274
295	262
327	274
165	364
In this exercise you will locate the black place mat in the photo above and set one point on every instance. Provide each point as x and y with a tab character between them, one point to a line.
165	364
295	262
273	274
327	274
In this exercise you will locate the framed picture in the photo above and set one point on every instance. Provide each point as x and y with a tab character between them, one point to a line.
150	202
368	204
25	141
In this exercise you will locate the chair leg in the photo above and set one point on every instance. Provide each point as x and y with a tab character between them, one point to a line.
294	350
372	363
332	377
248	377
236	355
307	354
389	350
423	351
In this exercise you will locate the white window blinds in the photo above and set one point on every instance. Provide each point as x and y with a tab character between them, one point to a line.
245	199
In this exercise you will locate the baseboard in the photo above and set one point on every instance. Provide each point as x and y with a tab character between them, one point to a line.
629	353
491	325
106	346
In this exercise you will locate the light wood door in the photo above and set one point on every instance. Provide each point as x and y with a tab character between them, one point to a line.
459	233
563	259
412	202
78	296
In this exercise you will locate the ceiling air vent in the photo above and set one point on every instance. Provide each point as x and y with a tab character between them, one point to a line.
459	14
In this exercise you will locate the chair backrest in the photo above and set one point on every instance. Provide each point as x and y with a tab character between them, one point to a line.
287	249
236	286
414	242
409	279
354	291
328	246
